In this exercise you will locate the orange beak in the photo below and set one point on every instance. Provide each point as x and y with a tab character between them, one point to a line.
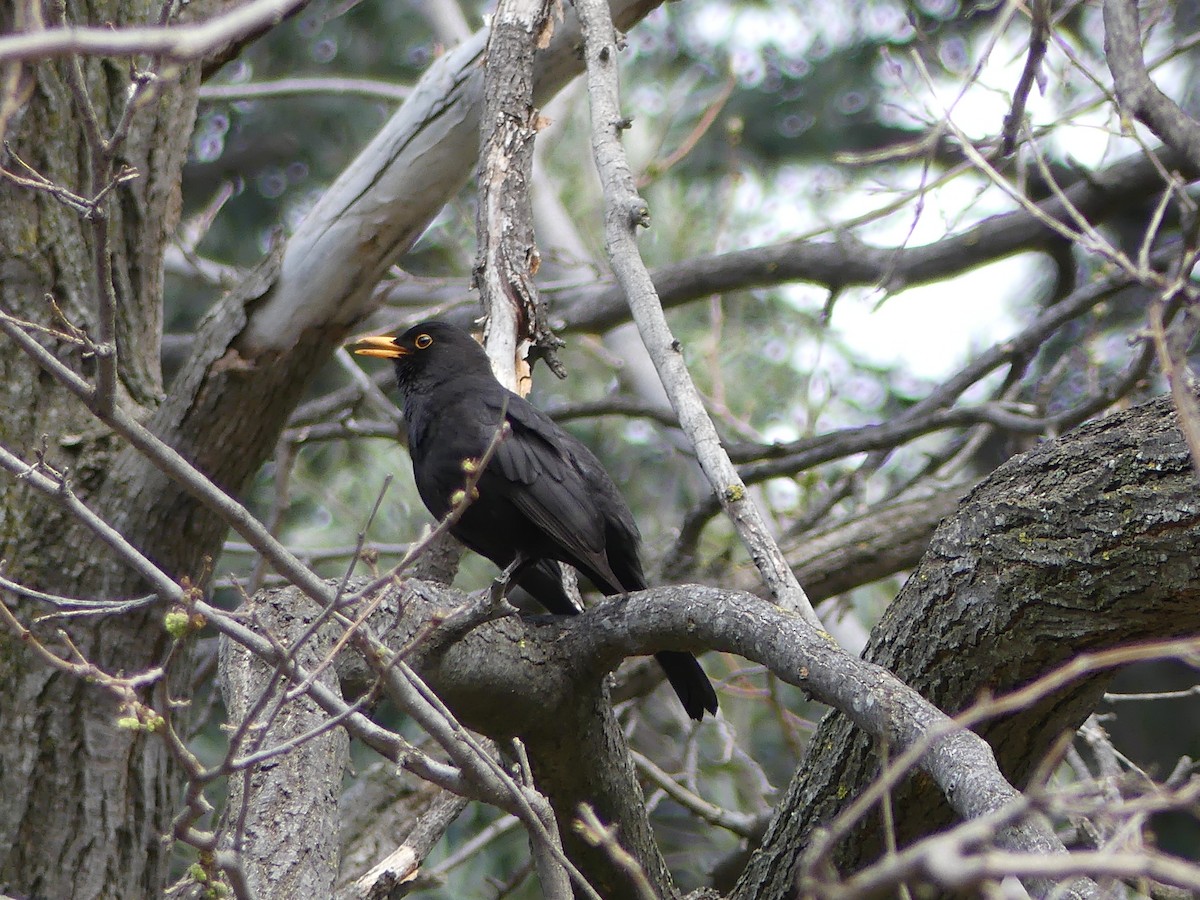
381	345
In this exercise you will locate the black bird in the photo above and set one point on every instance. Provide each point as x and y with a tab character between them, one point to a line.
543	498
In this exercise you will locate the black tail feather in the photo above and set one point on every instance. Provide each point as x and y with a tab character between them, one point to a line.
689	681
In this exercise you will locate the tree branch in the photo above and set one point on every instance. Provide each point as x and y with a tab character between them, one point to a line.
256	351
625	211
1136	92
175	42
508	257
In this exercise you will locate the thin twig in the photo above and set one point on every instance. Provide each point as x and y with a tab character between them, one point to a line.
176	42
292	87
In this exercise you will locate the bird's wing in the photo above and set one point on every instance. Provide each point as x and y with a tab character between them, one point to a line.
552	478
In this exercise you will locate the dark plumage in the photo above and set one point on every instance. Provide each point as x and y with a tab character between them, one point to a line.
543	495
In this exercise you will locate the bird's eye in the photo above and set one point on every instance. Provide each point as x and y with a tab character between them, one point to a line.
423	341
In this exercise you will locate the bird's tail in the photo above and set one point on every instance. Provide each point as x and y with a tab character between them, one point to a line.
689	681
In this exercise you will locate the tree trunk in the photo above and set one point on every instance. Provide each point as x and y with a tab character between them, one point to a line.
85	803
282	814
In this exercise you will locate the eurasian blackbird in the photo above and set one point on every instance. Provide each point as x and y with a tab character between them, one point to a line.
543	497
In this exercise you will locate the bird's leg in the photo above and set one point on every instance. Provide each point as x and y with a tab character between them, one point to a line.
507	580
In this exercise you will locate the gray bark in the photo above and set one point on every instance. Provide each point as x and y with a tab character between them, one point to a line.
1084	543
283	815
83	799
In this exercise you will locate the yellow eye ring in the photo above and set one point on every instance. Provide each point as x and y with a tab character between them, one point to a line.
423	341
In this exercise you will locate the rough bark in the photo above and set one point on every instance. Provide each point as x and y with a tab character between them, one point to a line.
85	803
607	782
283	812
512	678
508	258
1084	543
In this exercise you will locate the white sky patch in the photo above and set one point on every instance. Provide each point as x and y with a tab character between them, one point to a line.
785	25
932	331
929	330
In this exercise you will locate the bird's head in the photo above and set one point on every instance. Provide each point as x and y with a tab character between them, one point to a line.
431	351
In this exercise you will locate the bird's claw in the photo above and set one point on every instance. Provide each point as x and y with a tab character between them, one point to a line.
501	585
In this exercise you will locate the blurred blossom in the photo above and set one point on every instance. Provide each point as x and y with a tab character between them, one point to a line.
420	56
271	183
773	80
953	54
820	389
638	431
889	21
208	147
851	102
889	71
324	50
308	26
826	179
939	9
297	171
208	143
748	66
650	100
783	493
865	393
712	25
796	124
321	517
797	67
775	350
905	384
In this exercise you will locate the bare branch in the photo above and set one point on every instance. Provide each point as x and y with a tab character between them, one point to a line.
1039	30
1139	96
291	87
176	42
402	865
171	463
508	258
55	485
624	213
